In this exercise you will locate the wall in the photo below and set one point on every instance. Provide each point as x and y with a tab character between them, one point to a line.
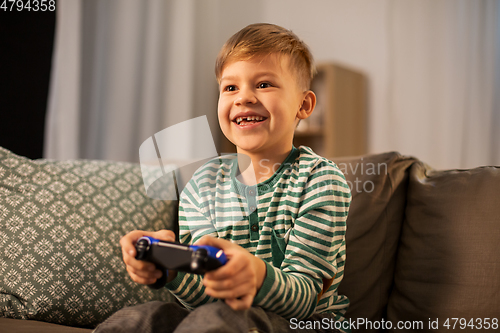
430	66
352	33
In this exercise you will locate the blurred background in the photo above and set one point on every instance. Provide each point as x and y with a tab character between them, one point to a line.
95	78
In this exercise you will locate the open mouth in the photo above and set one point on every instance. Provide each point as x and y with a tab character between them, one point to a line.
249	120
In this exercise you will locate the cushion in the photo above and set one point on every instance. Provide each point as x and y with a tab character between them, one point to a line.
378	185
60	226
448	264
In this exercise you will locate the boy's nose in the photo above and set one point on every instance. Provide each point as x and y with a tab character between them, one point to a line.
245	97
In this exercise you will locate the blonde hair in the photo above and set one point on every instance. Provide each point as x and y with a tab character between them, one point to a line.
263	39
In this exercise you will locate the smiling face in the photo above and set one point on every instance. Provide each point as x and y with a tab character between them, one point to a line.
260	103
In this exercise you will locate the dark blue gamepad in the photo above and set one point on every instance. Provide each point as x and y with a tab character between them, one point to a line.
179	257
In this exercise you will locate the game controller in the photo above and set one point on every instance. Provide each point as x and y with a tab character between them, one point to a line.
179	257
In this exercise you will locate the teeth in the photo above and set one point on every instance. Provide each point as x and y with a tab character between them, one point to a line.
250	118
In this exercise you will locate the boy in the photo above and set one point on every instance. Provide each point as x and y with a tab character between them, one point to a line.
286	257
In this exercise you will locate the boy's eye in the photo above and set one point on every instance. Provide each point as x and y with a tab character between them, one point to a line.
230	88
263	85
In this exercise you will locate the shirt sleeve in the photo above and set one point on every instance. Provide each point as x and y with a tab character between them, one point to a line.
315	251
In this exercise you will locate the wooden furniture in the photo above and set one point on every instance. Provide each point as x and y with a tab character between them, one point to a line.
338	125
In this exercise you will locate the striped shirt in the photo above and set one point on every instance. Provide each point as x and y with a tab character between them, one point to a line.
294	221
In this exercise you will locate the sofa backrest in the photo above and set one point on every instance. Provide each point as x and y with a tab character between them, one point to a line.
378	186
448	267
423	246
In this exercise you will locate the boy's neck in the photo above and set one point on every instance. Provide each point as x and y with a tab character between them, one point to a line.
262	167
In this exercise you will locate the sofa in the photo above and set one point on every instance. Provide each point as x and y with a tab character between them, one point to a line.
422	244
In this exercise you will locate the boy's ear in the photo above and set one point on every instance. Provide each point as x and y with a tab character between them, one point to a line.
308	104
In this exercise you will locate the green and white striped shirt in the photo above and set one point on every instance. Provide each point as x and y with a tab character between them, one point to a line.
295	222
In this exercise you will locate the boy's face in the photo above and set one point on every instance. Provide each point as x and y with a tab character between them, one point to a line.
259	105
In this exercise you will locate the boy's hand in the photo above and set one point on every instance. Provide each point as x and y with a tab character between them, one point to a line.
239	280
141	271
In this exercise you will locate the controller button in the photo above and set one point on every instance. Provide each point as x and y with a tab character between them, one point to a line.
201	252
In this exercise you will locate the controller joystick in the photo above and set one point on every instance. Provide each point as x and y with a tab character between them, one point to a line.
141	248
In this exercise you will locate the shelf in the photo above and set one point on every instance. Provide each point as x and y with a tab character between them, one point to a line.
339	119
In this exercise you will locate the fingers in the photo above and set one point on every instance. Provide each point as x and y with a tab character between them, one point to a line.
235	280
239	279
128	241
141	271
233	270
230	276
165	235
233	283
144	276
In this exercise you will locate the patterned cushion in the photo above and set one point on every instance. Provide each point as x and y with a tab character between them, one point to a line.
60	226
